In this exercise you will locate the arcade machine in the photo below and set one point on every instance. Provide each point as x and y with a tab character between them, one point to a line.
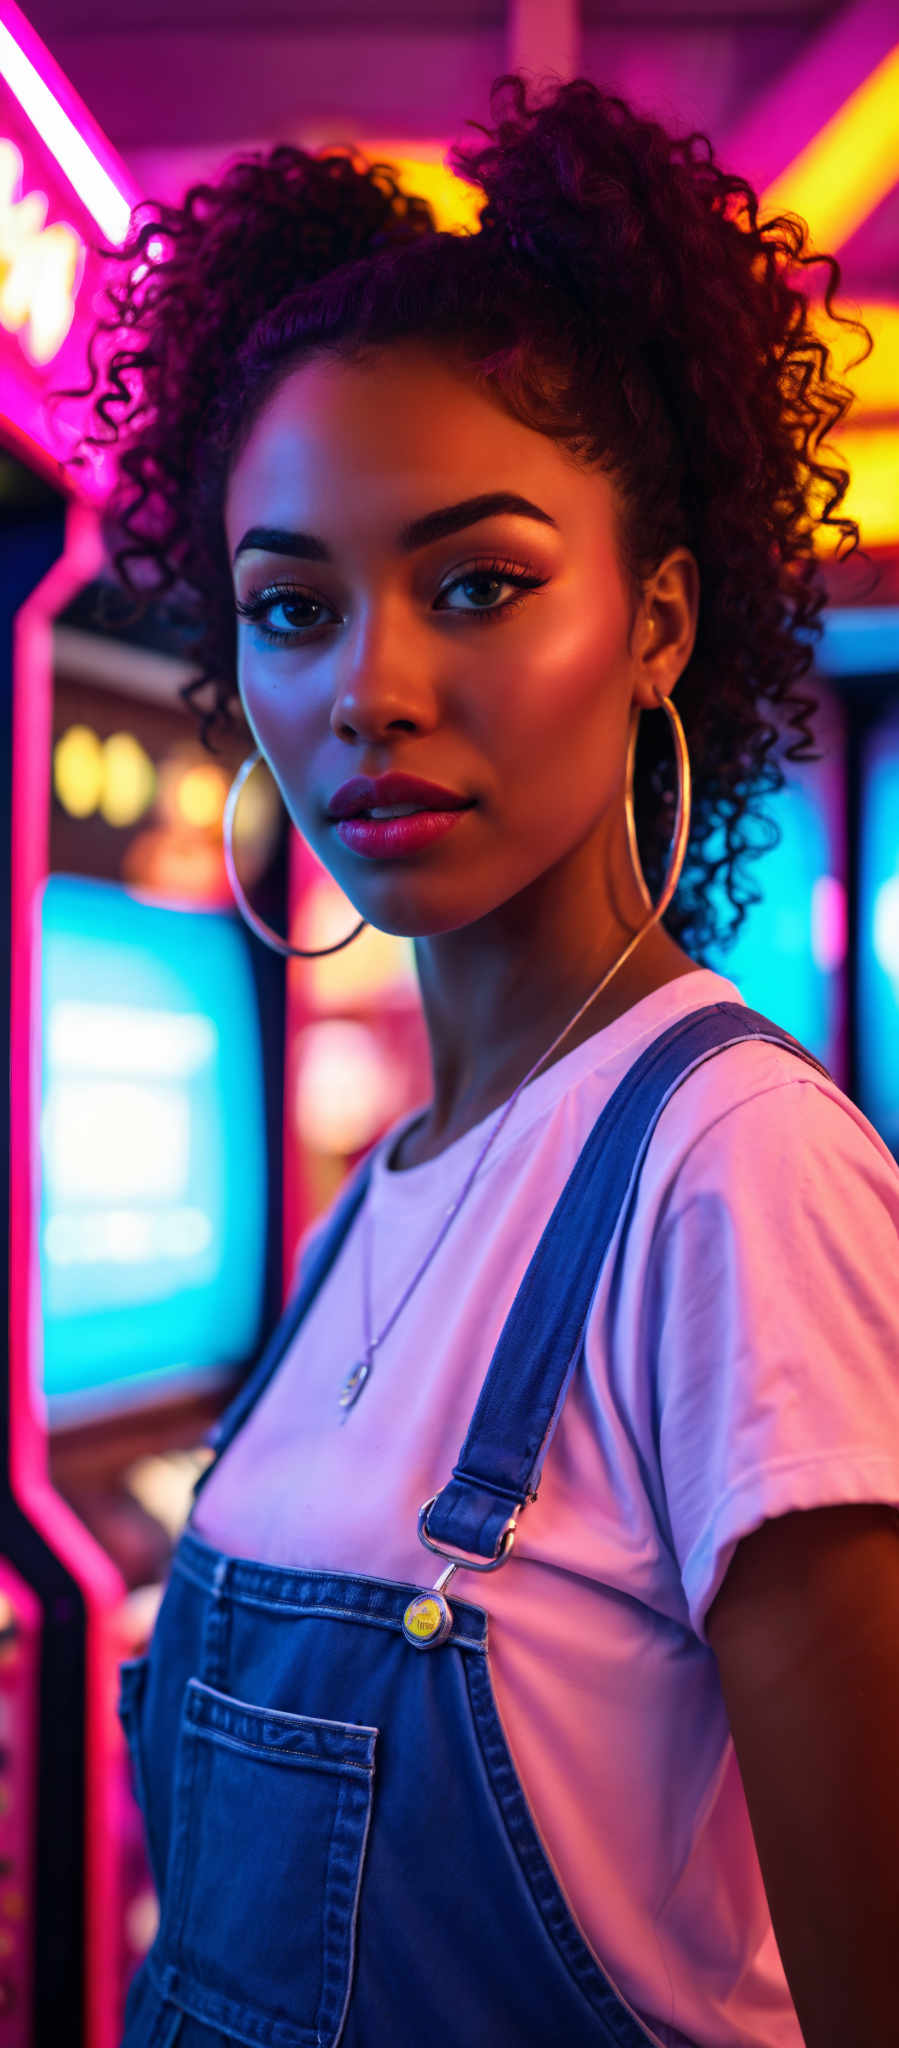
155	1137
144	1111
59	182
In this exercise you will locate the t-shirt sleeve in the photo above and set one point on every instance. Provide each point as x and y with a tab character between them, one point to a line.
774	1283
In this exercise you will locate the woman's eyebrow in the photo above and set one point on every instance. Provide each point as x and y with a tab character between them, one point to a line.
418	534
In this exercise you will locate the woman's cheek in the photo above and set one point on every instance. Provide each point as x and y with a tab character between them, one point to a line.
265	707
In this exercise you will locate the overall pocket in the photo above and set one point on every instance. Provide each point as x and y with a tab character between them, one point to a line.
132	1683
270	1824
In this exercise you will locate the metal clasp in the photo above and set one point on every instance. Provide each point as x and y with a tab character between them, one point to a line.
468	1564
428	1619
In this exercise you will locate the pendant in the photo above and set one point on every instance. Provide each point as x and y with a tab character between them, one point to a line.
353	1385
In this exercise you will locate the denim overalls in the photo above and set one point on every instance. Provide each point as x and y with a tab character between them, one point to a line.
340	1843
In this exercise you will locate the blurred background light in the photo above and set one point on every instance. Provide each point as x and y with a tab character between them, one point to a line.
201	795
346	1082
78	770
129	780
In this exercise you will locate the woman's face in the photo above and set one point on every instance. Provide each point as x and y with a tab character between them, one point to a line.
388	657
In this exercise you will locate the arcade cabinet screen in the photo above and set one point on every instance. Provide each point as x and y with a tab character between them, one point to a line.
152	1150
878	918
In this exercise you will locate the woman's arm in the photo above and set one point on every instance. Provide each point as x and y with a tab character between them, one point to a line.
805	1630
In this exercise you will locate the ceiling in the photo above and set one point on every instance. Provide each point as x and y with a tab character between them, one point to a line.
180	85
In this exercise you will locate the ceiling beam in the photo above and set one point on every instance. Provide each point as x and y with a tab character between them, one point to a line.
808	95
544	35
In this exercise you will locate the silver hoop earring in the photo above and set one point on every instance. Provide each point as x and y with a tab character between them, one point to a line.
675	861
263	931
681	833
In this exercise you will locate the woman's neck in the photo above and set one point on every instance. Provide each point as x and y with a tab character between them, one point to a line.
451	1115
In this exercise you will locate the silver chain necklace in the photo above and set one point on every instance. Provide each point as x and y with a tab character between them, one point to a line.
360	1374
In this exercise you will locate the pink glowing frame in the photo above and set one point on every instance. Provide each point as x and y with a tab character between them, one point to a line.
91	166
67	129
86	168
102	1585
19	1704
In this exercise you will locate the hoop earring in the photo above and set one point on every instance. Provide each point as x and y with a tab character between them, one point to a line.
675	862
681	833
263	931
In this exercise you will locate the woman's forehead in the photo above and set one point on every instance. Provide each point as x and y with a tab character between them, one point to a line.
336	446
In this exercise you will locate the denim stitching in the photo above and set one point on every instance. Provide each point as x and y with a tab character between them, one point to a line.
285	1756
182	1828
345	1872
585	1971
280	1605
216	2009
132	1689
344	1862
208	1708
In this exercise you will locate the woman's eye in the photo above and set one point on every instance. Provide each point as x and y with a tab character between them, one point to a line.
259	604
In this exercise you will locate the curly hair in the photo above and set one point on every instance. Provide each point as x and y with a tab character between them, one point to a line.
619	295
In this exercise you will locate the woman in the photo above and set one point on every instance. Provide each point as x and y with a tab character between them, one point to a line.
636	1256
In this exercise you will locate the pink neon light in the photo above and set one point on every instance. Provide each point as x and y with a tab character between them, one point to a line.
54	291
102	1585
830	923
65	126
24	384
19	1690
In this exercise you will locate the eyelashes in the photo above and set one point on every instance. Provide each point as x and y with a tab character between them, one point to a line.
259	602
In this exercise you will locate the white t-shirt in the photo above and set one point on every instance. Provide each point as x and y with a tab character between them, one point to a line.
741	1360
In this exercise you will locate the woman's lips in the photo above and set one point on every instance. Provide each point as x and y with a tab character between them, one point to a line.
386	838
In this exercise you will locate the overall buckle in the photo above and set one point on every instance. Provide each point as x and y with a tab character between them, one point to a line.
428	1619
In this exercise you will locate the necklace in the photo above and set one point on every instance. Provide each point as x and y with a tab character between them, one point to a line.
359	1375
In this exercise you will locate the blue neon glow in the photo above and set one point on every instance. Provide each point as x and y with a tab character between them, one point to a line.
152	1148
788	960
878	928
862	640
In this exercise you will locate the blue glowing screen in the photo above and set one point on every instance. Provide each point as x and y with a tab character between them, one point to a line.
790	958
152	1149
878	922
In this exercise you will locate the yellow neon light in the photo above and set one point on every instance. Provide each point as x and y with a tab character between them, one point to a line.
201	795
871	455
849	166
129	780
868	441
78	770
455	204
40	267
874	383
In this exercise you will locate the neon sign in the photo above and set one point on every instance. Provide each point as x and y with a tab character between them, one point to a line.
40	267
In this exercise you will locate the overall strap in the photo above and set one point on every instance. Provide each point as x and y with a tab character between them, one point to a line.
522	1395
232	1418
